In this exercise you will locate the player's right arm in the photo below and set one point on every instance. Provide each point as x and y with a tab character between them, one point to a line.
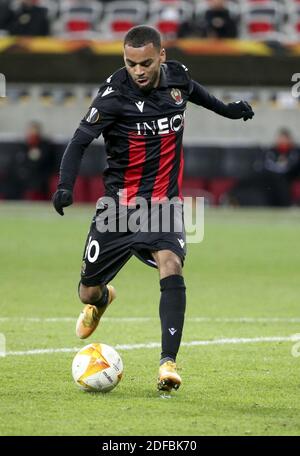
100	116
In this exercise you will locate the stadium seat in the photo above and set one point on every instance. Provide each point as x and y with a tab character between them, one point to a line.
263	20
34	195
218	187
167	16
295	191
78	19
193	186
294	20
120	16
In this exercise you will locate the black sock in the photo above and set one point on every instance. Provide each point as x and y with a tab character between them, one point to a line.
171	312
104	298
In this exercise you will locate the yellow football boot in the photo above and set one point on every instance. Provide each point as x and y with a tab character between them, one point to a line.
89	318
168	378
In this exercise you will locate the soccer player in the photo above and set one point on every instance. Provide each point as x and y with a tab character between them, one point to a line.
139	110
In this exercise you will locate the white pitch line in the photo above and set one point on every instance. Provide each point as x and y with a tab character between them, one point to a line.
194	343
71	319
248	319
145	319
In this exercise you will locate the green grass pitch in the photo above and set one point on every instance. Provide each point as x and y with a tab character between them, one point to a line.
242	283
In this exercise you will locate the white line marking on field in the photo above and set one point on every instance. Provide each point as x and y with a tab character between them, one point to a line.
246	319
144	319
194	343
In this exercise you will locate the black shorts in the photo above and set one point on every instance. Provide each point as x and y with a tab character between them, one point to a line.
118	232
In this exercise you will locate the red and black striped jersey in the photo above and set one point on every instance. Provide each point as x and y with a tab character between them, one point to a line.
143	133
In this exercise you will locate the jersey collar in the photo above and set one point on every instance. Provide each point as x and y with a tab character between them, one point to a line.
163	83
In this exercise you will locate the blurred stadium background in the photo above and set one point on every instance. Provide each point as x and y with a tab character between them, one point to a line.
239	377
55	53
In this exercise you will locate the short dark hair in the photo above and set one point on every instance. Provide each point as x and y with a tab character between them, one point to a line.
141	35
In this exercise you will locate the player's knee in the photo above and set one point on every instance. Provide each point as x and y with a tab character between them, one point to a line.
89	295
171	266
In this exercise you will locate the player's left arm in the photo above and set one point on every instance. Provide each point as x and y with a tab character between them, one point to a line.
236	110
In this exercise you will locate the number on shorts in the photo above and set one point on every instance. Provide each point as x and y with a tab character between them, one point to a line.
92	250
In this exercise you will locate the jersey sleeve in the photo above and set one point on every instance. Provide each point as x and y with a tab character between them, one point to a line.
201	97
71	159
102	112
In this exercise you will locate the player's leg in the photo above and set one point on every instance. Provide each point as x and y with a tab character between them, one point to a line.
105	253
171	312
165	249
96	299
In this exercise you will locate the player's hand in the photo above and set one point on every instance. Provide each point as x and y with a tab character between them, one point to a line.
240	110
62	198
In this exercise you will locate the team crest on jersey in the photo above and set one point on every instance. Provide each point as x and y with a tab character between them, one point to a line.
176	95
92	116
